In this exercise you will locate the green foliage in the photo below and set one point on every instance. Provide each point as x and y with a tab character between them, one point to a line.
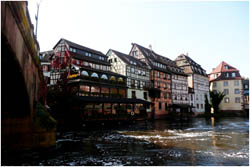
215	99
43	119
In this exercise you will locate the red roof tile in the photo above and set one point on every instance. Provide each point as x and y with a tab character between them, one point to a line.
221	68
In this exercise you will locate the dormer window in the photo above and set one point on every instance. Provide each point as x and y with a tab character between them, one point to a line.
233	74
226	67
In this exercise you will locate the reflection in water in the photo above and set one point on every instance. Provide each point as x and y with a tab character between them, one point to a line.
198	142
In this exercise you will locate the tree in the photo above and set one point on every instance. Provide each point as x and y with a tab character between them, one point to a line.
215	100
207	106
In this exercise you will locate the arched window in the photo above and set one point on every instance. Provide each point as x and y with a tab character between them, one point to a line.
94	75
120	79
104	76
84	73
112	78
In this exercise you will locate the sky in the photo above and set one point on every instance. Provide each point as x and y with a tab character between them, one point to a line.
210	32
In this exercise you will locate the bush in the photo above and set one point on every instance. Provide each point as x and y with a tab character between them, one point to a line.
43	119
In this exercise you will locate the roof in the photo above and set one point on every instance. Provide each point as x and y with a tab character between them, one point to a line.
195	67
222	68
75	45
93	60
153	56
46	56
127	59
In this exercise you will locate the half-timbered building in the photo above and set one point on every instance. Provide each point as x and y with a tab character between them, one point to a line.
137	72
97	92
160	77
197	80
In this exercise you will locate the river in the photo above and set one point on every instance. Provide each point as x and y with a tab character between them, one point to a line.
223	142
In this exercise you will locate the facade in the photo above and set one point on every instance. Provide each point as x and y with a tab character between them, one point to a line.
98	93
246	94
179	88
197	80
225	78
163	75
45	60
137	72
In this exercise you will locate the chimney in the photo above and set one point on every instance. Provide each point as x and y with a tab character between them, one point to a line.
213	69
150	47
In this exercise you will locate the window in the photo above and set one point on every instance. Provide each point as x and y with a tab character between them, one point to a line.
104	68
165	86
120	80
133	94
94	75
246	86
225	83
145	95
236	83
166	106
135	53
201	106
84	73
214	84
159	105
192	97
104	77
165	95
115	60
198	106
226	100
136	83
236	91
226	67
227	74
164	75
237	99
112	78
132	83
233	74
158	74
226	91
158	84
132	70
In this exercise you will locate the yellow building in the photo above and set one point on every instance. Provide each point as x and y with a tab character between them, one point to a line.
225	78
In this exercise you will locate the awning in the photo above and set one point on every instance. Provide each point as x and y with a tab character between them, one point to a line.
91	99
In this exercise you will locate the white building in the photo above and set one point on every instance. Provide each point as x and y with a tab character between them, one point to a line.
197	79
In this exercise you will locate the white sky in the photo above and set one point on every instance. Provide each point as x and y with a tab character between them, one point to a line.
210	32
